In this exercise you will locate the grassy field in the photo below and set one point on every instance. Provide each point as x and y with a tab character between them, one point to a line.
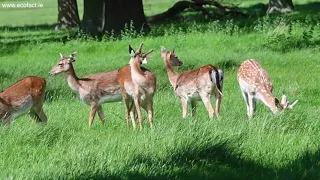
228	147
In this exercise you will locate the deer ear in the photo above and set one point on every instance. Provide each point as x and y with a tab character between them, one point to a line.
130	49
163	52
73	57
284	100
293	104
61	56
144	61
132	53
73	54
163	49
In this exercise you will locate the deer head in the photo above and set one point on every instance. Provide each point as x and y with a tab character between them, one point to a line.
170	57
284	104
138	54
64	64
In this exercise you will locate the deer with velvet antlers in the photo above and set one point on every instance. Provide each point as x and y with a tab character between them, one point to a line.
255	84
194	85
138	85
26	95
94	89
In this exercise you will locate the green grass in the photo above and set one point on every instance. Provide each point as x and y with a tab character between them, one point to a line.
228	147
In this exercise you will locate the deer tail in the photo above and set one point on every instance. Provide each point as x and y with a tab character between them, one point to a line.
216	76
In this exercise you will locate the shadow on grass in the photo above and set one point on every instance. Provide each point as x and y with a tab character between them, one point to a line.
287	44
7	48
10	44
4	74
228	64
28	27
58	93
211	162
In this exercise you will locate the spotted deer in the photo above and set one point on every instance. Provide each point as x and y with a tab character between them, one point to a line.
138	85
255	84
194	85
26	95
94	89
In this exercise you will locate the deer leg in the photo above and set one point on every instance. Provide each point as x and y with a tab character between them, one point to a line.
246	100
150	113
38	114
253	106
127	108
6	121
251	103
36	110
93	111
101	114
184	107
193	107
206	101
138	108
218	103
219	98
148	107
133	114
34	116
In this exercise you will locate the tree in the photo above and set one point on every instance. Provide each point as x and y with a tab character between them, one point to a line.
113	15
68	16
280	6
93	16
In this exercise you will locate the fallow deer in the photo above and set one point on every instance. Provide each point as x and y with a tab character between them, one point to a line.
194	85
255	84
25	95
94	89
138	85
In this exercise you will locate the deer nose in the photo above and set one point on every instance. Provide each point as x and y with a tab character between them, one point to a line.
51	74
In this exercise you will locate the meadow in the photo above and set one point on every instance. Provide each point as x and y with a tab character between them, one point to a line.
228	147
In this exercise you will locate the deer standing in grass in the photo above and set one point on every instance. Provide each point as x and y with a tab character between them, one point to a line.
255	84
25	95
194	85
138	85
94	89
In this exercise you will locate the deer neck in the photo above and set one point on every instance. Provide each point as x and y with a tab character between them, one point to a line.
73	80
268	99
136	74
172	75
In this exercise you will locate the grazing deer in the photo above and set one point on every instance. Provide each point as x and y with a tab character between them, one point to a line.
25	95
94	90
194	85
255	84
138	85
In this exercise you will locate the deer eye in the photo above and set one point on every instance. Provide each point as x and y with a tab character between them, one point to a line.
60	64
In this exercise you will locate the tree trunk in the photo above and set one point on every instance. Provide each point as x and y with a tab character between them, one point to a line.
120	13
112	16
280	6
93	17
68	16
